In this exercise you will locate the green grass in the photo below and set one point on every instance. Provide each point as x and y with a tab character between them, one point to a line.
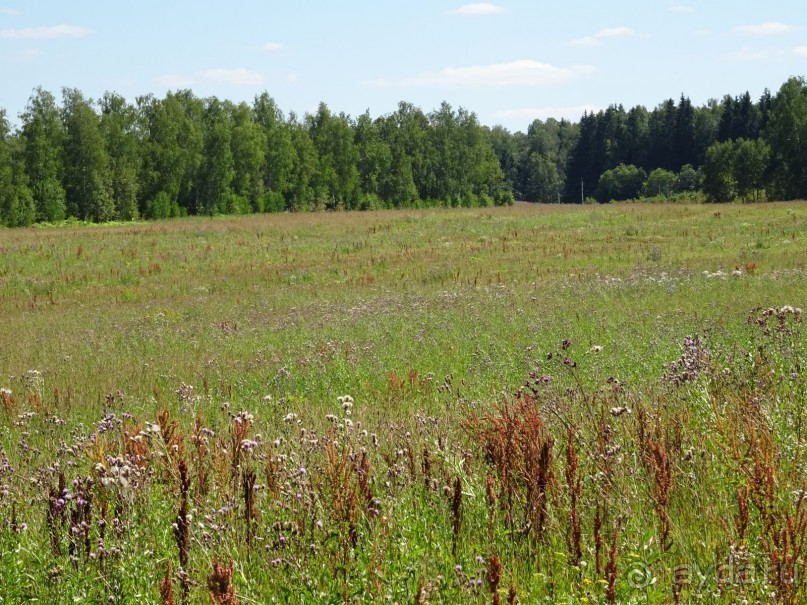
425	318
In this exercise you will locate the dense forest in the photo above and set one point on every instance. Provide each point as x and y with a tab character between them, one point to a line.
113	160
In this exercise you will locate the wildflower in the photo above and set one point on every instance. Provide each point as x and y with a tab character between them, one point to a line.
290	417
596	349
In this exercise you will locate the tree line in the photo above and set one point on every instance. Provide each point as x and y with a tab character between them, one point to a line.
182	155
734	148
178	155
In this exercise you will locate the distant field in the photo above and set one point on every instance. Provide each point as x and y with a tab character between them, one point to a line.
429	320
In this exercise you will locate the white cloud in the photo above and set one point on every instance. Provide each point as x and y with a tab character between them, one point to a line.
586	41
43	33
274	46
523	72
612	32
13	12
174	81
479	8
764	29
681	8
801	51
747	54
596	39
239	76
27	53
573	113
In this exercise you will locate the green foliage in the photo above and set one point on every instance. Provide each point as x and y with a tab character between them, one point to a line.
786	134
85	161
43	136
17	208
336	178
660	182
624	182
110	160
119	129
688	180
162	206
216	172
734	169
248	147
719	181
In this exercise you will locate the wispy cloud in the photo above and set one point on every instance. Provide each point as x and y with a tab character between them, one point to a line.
524	72
13	12
239	76
680	8
764	29
45	33
748	54
801	51
572	113
597	39
479	8
174	81
274	46
27	53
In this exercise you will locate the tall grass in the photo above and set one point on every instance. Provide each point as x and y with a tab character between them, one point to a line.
532	404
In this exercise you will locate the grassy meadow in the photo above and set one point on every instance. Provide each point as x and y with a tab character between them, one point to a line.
534	404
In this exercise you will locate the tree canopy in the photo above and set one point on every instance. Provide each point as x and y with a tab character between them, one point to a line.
110	159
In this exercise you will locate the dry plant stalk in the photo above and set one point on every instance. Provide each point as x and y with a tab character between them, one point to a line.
238	434
518	446
344	505
248	483
182	525
220	584
612	568
661	470
364	474
419	592
742	513
456	514
787	545
172	440
573	480
494	577
490	498
200	445
167	586
427	468
55	515
512	595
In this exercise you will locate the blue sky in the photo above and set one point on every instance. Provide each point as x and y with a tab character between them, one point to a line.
509	61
